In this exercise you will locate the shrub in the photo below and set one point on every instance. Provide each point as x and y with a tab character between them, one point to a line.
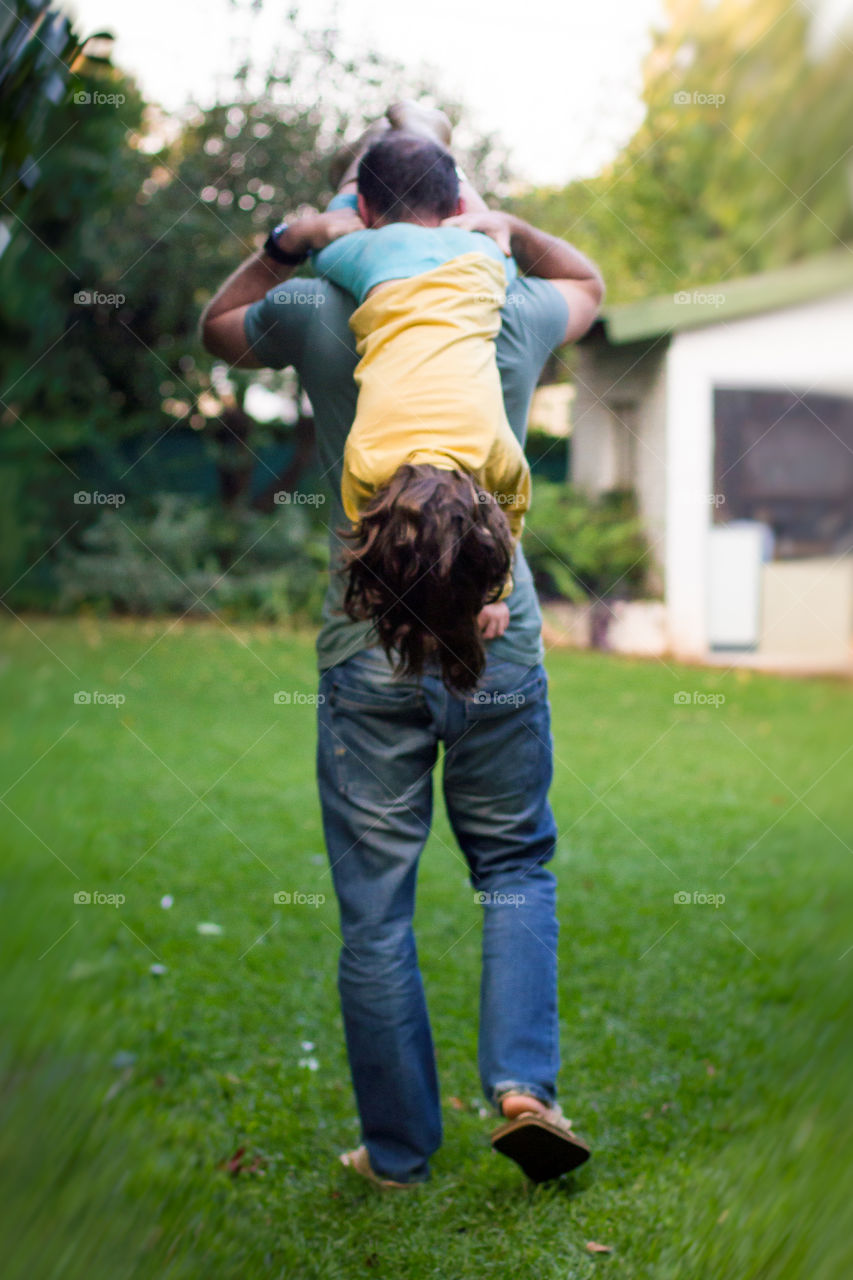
579	547
178	554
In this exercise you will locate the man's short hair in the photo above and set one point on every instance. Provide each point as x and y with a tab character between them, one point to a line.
404	176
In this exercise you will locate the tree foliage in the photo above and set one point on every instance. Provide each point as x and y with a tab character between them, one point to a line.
742	163
37	44
149	213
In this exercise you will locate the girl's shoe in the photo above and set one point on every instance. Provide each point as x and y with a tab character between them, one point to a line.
541	1143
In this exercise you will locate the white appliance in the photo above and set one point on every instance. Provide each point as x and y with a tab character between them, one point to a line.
736	552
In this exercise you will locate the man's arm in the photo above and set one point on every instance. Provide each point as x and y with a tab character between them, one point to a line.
574	275
222	321
222	324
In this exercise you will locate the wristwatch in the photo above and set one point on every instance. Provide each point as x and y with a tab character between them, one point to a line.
272	250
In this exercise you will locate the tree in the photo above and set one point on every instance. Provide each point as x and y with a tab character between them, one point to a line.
53	398
37	45
741	164
136	221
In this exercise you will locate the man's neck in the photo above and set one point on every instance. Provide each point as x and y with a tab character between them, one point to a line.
427	220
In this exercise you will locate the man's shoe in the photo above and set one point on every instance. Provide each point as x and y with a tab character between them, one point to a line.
542	1144
359	1162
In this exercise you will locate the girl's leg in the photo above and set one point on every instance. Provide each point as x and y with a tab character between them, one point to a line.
344	166
414	117
408	117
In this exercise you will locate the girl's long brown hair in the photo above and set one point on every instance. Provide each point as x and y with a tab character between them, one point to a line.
431	548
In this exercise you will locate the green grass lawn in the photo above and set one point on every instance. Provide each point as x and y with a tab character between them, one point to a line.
704	1046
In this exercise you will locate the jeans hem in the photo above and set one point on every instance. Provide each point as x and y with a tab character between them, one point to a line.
505	1087
396	1177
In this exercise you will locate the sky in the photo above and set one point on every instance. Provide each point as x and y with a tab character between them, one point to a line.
518	66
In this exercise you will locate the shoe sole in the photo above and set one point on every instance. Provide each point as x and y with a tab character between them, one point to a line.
541	1150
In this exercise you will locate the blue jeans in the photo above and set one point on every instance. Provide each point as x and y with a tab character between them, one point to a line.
377	747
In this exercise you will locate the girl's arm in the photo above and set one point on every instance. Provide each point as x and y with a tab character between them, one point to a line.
222	321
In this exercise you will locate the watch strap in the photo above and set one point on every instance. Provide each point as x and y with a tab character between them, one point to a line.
272	249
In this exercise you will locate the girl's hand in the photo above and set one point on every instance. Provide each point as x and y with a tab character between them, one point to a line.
313	231
491	221
493	620
332	225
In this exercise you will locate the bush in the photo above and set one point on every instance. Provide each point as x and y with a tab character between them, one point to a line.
579	547
179	555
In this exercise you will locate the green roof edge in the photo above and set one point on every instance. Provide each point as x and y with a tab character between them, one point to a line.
802	281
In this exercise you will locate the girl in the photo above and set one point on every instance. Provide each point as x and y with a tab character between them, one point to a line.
434	480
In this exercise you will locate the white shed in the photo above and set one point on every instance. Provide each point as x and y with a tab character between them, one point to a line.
729	411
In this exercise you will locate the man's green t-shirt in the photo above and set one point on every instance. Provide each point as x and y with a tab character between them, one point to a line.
305	323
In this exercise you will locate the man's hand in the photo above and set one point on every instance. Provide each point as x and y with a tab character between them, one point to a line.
571	273
490	221
314	231
493	620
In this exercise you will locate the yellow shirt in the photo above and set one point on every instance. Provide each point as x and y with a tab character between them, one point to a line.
429	388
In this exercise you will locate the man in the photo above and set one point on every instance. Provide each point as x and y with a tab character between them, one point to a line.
378	736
